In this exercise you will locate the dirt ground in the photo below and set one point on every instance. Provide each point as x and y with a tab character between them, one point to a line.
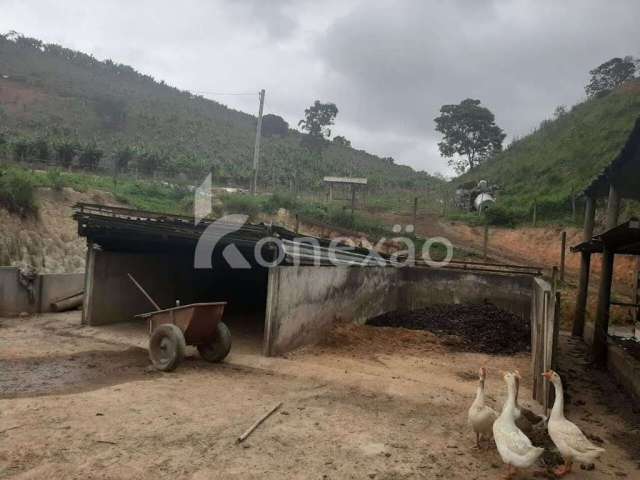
81	402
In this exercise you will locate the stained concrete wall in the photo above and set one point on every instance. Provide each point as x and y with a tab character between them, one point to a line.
110	296
14	298
54	286
428	286
305	301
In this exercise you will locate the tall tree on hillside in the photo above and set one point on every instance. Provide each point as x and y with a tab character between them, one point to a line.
342	141
90	156
274	126
317	120
610	75
470	132
65	152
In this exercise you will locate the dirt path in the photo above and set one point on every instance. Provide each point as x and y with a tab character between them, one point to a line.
368	403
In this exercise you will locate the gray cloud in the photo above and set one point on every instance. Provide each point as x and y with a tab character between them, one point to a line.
389	66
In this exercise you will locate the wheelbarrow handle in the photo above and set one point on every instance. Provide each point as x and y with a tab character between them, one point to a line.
144	292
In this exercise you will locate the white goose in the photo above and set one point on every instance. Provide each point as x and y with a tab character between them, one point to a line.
514	447
481	416
571	442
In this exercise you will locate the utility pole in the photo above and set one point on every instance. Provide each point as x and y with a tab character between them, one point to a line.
256	150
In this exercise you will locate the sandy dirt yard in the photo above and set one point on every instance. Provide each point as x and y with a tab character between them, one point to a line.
369	403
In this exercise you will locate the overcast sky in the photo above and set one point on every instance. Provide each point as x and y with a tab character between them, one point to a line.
388	65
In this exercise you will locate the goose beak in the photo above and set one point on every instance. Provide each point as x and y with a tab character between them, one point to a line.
547	375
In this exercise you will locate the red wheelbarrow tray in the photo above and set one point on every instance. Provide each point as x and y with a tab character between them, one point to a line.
197	321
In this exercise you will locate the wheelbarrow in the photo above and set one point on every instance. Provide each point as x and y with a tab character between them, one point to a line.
172	329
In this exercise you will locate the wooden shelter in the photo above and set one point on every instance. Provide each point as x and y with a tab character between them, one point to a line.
349	185
620	179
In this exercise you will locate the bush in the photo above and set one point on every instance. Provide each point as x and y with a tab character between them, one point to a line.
17	192
240	203
281	200
55	179
503	216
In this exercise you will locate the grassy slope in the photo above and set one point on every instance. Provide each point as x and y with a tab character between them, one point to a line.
53	92
562	156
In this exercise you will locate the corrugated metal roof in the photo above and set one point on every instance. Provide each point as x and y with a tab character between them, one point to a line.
624	170
347	180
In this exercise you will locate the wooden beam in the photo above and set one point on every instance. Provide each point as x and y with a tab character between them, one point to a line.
585	265
601	327
613	207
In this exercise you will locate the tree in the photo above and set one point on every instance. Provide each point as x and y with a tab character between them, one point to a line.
123	156
149	162
470	132
317	120
90	156
65	152
342	141
610	75
274	126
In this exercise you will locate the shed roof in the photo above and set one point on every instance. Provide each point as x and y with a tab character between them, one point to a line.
129	230
623	239
347	180
623	171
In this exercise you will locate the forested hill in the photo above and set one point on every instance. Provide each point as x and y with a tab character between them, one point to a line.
50	95
563	155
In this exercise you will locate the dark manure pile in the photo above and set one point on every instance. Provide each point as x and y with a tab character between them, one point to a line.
480	328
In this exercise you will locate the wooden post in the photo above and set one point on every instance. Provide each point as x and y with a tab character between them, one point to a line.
585	265
535	212
601	327
485	241
415	211
637	290
613	207
563	249
256	148
297	223
353	202
573	206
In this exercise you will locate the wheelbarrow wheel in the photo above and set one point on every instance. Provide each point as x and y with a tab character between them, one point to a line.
167	347
216	350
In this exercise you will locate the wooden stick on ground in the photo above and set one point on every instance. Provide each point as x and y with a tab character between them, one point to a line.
246	434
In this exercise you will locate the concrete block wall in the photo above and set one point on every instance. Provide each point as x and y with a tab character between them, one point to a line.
110	296
14	298
304	302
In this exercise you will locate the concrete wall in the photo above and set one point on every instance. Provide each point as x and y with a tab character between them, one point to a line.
110	296
58	285
428	286
625	369
14	298
304	302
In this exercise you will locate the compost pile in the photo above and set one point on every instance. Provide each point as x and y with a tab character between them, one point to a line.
481	328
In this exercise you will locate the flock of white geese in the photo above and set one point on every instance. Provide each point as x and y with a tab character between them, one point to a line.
513	445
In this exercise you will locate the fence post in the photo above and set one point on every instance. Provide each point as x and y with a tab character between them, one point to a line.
535	212
485	241
415	211
563	247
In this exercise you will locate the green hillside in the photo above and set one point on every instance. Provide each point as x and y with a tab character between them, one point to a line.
50	94
562	156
